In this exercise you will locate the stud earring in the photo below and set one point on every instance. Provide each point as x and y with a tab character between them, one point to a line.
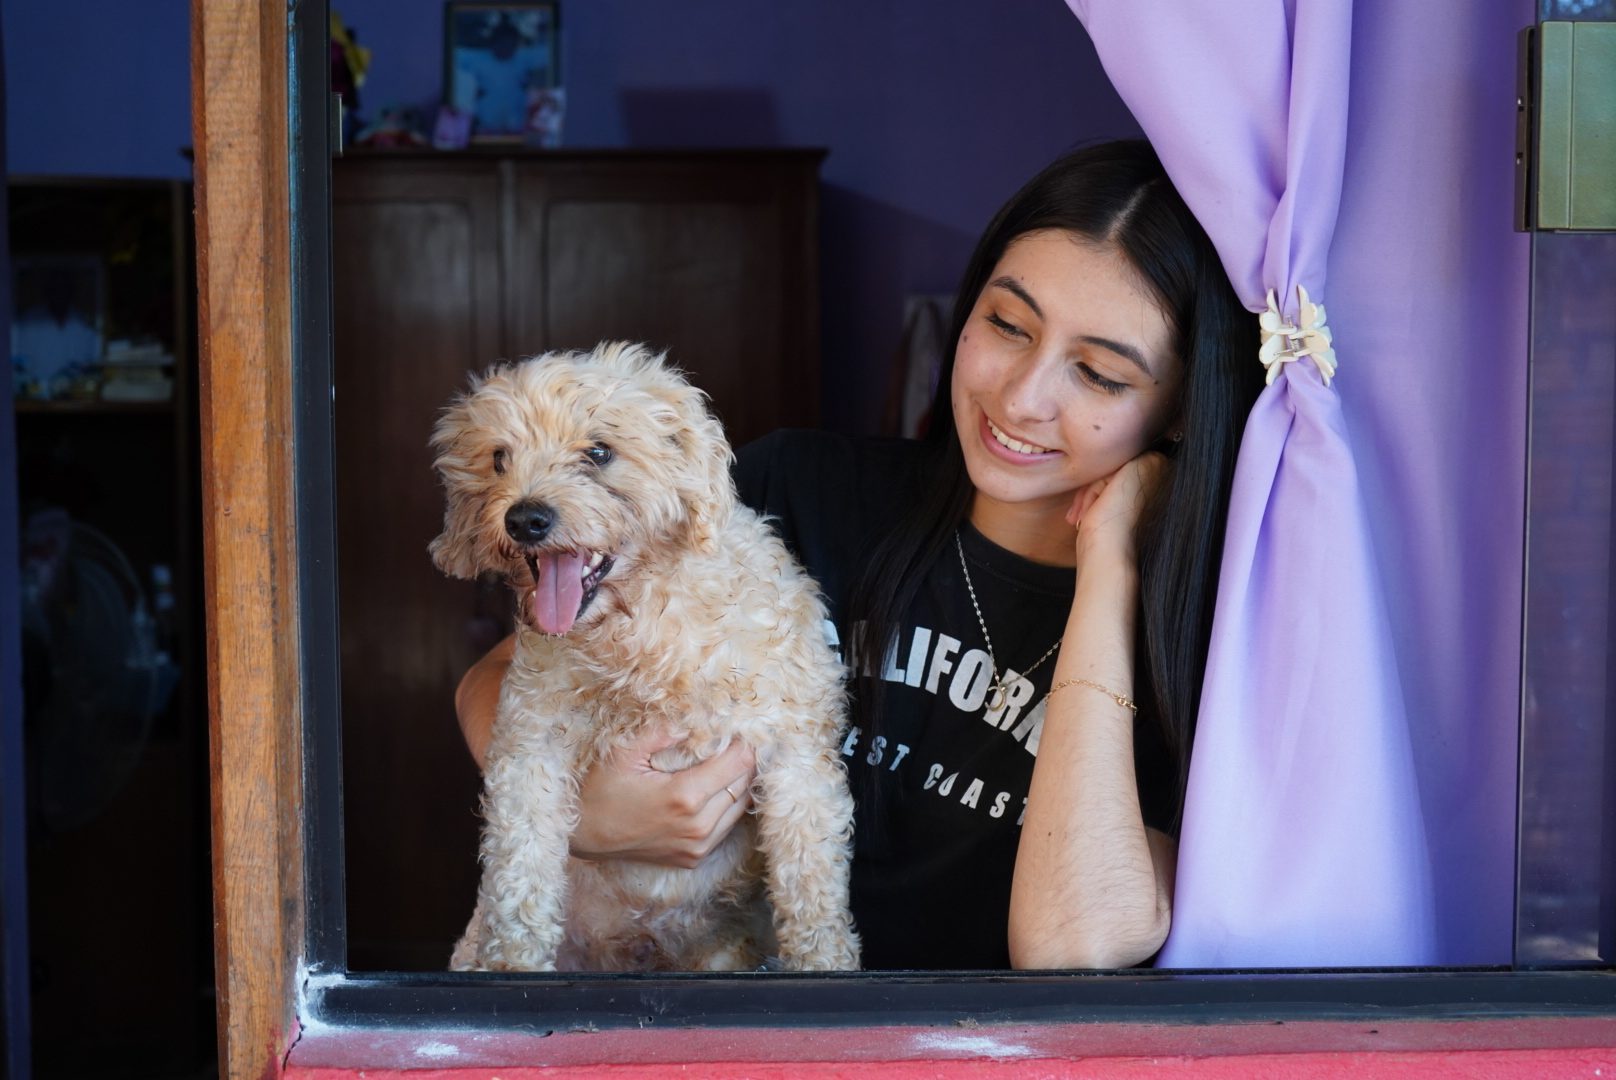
1177	436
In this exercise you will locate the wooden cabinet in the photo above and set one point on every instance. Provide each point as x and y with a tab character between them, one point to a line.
443	264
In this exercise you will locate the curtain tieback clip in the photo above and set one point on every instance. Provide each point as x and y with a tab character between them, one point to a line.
1284	343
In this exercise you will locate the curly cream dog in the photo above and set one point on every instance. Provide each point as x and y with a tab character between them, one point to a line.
597	485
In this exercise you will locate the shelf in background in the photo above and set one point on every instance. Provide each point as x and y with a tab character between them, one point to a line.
95	407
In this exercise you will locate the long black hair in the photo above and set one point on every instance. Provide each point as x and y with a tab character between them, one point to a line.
1117	194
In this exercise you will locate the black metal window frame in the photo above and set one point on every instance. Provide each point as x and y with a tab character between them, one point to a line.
334	995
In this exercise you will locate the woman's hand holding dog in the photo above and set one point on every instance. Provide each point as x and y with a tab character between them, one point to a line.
628	809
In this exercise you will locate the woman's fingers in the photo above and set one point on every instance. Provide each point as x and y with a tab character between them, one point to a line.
1083	501
646	745
710	799
1109	509
730	772
720	815
730	817
1130	484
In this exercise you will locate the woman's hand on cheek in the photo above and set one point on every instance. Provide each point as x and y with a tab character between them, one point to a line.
629	809
1106	512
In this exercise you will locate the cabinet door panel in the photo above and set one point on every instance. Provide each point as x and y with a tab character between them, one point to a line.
417	298
713	263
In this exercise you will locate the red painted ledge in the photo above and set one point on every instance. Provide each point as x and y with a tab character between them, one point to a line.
1492	1049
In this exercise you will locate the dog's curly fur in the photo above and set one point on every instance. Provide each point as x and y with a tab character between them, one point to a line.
702	622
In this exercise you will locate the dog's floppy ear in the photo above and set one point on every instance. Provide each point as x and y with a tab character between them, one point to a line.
454	552
710	498
705	485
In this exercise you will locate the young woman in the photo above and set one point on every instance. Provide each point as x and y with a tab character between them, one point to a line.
1024	599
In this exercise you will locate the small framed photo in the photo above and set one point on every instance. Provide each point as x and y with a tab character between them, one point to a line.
496	57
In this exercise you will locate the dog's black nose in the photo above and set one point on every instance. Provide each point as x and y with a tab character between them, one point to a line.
529	522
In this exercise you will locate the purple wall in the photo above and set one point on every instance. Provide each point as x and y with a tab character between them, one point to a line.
933	111
98	87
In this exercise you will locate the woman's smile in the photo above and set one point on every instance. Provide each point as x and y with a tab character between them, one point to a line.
1012	449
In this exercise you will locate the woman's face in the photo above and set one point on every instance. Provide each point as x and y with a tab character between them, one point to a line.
1063	373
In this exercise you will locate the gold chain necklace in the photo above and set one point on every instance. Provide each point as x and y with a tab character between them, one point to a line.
997	689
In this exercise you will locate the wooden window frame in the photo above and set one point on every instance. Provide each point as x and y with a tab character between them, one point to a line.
262	184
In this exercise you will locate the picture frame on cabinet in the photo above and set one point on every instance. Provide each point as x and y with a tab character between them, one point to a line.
496	58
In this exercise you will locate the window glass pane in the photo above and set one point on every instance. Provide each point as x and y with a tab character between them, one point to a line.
1567	883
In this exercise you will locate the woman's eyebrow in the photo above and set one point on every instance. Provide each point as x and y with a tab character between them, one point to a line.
1121	348
1010	284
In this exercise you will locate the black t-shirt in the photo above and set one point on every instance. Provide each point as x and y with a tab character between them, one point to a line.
933	862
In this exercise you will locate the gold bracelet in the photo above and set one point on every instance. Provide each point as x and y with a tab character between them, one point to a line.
1120	699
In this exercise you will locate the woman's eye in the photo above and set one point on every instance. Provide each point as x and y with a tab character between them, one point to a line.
499	461
1100	382
1008	329
599	454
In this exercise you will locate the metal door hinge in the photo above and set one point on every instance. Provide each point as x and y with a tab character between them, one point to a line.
1565	127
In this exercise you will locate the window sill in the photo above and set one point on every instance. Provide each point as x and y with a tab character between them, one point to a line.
1497	1048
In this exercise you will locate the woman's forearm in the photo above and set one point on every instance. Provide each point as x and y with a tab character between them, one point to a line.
1089	890
477	697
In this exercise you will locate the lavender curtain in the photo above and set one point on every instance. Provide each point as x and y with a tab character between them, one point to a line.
1318	827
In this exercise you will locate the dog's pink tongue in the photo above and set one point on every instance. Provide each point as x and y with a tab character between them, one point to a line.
559	591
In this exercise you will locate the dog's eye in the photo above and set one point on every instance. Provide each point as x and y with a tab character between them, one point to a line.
499	461
599	454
